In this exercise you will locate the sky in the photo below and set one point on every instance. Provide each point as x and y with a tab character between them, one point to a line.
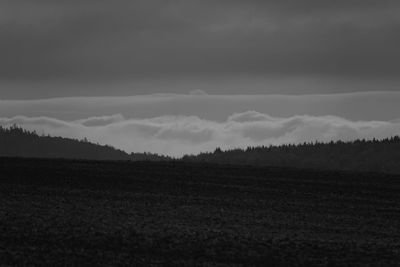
196	64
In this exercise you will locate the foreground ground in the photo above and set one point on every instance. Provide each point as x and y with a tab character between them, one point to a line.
59	212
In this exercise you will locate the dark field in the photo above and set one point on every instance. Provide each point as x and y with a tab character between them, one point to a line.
63	212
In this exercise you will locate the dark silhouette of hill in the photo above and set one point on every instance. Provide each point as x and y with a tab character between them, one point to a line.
360	155
17	142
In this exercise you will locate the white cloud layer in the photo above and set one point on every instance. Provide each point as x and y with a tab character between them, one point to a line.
354	106
178	135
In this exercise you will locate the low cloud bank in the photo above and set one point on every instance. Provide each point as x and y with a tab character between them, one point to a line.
178	135
354	106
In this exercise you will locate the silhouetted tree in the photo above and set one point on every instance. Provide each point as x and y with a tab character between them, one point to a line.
364	155
17	142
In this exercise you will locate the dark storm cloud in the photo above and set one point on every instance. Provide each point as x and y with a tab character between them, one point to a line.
125	40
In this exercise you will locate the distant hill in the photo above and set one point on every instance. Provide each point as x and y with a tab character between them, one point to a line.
17	142
360	155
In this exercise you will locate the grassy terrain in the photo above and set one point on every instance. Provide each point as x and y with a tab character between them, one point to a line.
65	212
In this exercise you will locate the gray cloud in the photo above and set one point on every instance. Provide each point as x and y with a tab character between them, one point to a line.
177	135
353	106
102	120
130	40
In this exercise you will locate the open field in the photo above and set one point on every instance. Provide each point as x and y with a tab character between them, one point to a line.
65	212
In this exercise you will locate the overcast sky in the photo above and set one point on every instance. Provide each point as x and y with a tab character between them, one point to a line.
86	47
201	73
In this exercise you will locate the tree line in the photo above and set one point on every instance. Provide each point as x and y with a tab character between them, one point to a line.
18	142
359	155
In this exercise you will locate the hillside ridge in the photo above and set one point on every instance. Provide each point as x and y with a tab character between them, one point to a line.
359	155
